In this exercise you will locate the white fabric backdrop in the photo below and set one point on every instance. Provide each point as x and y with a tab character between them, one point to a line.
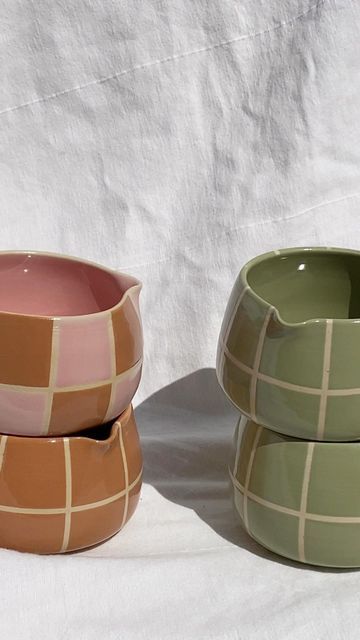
175	139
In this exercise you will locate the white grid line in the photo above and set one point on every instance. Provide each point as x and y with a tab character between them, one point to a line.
240	365
126	474
303	503
230	324
325	380
241	423
111	338
248	475
265	503
105	501
257	361
344	392
68	495
288	385
80	387
52	375
135	303
315	517
2	450
74	509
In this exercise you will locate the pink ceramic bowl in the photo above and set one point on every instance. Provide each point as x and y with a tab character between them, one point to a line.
70	343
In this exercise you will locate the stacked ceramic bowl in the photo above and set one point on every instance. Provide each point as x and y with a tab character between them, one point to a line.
289	360
70	363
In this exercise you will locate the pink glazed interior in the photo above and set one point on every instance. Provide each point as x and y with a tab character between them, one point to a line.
45	285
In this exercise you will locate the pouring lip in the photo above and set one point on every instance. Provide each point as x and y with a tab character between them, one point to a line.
44	441
135	285
243	276
118	423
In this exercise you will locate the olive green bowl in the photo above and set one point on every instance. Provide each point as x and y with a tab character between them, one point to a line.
289	346
300	499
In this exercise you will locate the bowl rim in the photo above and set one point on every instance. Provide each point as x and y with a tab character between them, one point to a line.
135	286
116	424
294	440
243	277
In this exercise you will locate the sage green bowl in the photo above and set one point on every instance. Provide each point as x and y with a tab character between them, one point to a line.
300	499
289	346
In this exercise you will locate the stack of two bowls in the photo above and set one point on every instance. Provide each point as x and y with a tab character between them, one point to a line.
70	363
289	359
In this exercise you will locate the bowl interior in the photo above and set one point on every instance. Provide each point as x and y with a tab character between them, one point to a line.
306	285
44	285
101	432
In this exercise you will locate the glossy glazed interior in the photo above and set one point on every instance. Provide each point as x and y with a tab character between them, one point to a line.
70	344
45	285
289	346
305	285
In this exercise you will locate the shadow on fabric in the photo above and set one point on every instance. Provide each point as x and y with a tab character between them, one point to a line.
186	431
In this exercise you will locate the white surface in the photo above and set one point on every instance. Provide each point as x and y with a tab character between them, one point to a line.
176	139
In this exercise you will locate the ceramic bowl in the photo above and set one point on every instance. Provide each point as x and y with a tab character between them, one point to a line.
289	347
66	493
70	343
300	499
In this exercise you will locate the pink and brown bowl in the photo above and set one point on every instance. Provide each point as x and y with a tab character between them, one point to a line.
71	343
67	493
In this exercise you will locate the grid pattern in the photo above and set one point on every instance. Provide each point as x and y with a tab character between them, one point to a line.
59	376
278	510
79	522
253	350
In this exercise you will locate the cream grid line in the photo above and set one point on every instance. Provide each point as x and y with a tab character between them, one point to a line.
248	475
257	362
55	337
241	424
287	385
325	380
315	517
230	323
68	495
111	337
2	449
88	385
74	509
126	475
303	502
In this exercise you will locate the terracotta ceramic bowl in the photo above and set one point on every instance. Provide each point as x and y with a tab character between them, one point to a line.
70	343
66	493
300	499
289	347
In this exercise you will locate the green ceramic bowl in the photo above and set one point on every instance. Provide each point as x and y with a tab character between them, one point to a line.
300	499
289	346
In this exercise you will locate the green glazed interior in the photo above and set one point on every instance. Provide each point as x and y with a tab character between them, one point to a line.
308	284
289	346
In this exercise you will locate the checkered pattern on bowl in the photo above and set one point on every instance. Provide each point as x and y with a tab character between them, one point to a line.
60	375
300	499
61	494
302	380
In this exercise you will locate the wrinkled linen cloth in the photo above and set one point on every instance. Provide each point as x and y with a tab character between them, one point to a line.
175	140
